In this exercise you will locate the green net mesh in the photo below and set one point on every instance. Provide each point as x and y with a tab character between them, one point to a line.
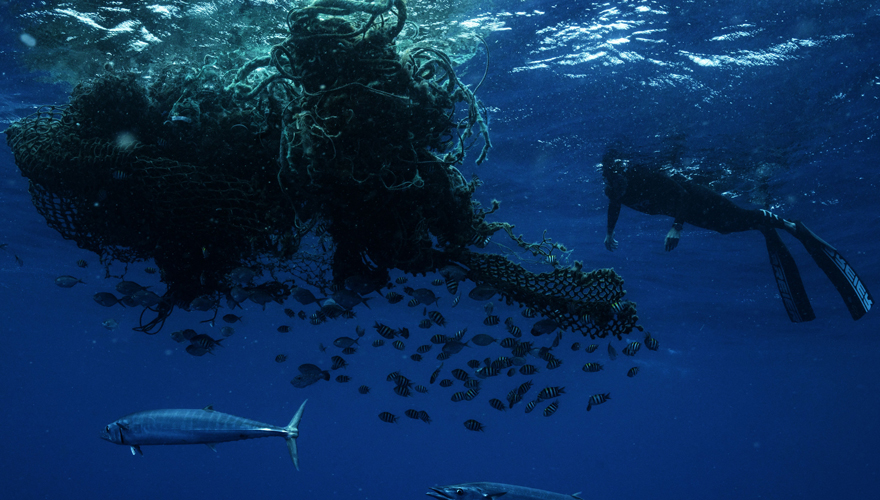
234	161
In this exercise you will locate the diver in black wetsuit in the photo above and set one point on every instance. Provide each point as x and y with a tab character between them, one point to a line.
651	191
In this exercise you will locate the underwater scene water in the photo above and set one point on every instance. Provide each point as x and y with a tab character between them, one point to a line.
250	204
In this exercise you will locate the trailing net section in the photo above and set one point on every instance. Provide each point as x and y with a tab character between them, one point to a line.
587	302
234	162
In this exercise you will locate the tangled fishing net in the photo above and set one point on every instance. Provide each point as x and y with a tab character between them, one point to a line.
235	162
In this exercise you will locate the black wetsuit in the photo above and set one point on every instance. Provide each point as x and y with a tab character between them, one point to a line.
654	193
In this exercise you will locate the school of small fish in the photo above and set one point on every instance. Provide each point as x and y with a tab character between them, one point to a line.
492	363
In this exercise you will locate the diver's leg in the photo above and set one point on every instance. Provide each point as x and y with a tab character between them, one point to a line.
856	297
788	279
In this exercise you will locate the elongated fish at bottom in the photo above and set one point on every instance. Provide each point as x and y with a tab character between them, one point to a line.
495	491
204	426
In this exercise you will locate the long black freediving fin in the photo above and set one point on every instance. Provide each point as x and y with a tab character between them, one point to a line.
850	287
788	279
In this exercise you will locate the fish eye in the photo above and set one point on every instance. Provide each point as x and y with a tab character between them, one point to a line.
107	429
459	492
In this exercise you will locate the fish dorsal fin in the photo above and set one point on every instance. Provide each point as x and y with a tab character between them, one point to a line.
212	446
576	495
137	449
209	408
493	496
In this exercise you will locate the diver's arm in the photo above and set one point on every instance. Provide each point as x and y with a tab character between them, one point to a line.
613	214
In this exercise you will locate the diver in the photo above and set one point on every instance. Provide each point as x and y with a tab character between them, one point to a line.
653	192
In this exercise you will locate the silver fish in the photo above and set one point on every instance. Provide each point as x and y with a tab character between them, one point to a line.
486	491
204	426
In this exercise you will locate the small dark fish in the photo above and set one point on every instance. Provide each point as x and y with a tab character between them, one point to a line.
528	312
439	339
531	406
110	324
413	302
145	298
482	292
489	307
203	303
403	332
453	272
305	297
129	287
205	341
491	320
437	318
460	374
413	414
241	275
592	367
425	296
196	350
453	347
424	348
425	323
82	263
459	396
283	329
445	382
456	300
436	373
290	313
651	343
384	330
515	331
301	315
402	390
632	372
393	297
360	331
317	317
524	388
150	270
227	331
497	404
424	417
388	417
378	343
321	347
459	334
632	348
309	374
528	369
452	288
231	318
556	340
473	364
363	389
415	357
576	346
544	327
343	342
482	340
473	425
421	389
399	345
401	280
348	351
550	392
343	378
551	408
592	347
67	281
612	352
106	299
338	362
437	282
281	358
597	399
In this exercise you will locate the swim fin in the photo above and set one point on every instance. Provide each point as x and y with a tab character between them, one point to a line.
856	297
788	279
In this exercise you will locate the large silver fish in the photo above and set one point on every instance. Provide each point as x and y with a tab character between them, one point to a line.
204	426
495	491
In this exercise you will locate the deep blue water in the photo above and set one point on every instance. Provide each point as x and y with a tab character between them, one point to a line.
738	402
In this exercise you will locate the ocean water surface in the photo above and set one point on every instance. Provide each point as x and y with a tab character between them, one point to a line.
774	103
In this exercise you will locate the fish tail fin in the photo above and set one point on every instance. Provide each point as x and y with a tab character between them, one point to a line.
293	432
364	301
